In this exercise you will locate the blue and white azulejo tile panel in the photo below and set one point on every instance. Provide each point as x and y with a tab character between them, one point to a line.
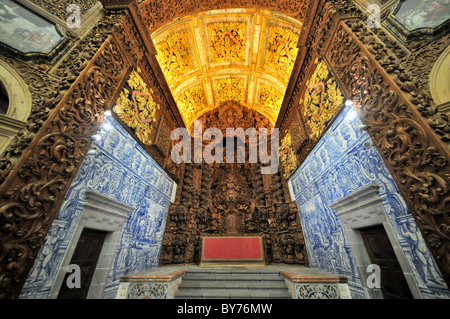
123	171
343	161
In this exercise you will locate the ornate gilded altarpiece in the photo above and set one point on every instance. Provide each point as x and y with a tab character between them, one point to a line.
232	200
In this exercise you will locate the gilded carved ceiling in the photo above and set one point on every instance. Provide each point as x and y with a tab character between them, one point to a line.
237	55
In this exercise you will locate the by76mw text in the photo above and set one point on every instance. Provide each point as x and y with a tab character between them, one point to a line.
246	308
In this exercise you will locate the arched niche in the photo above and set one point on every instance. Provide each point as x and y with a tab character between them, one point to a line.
439	80
16	92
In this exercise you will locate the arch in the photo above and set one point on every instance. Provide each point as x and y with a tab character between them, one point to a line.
19	106
439	81
242	55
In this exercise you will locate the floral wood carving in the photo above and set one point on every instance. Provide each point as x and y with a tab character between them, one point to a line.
32	195
417	160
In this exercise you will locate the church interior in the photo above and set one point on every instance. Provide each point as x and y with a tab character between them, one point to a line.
290	149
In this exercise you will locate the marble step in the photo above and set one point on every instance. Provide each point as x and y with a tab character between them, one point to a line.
231	276
242	284
232	293
232	283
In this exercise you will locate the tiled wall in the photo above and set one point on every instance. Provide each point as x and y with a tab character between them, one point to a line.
124	171
343	161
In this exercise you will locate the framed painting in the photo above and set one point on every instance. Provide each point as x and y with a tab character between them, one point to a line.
25	33
412	20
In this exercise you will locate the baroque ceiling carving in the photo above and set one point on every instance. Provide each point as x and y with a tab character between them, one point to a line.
240	55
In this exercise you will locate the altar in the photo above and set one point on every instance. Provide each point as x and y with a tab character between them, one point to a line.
232	251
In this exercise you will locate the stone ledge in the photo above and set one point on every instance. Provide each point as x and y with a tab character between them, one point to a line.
313	279
153	278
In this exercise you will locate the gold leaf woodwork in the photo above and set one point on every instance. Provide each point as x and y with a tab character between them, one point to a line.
322	98
136	107
227	42
191	103
281	50
269	101
287	155
174	57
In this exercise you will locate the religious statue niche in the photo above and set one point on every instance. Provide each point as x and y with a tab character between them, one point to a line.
232	199
28	36
322	99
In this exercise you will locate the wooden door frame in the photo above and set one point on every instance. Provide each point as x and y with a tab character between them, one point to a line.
100	213
380	231
361	209
82	251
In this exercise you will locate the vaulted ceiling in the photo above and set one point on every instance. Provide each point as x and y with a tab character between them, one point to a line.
240	55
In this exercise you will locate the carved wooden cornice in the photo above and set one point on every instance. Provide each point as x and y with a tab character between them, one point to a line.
159	13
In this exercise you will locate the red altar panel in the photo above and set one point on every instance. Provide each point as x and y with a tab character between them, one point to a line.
232	249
